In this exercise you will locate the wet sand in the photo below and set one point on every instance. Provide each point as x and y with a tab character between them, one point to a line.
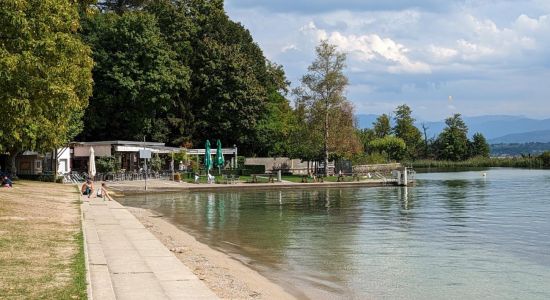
227	277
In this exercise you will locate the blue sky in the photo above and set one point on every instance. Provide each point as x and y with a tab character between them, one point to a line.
473	57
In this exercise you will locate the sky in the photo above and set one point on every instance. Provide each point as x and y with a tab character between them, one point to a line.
474	57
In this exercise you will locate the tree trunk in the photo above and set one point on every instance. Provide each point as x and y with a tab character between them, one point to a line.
13	167
55	164
326	140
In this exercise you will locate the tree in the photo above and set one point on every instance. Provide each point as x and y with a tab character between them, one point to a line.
479	146
382	126
322	90
275	126
229	101
120	6
404	128
137	79
366	135
393	147
452	143
545	158
45	75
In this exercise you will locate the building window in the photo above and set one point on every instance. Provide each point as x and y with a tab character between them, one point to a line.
38	164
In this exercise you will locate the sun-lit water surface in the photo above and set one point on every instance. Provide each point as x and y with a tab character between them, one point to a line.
453	236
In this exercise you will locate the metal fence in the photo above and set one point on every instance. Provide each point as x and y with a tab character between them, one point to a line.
75	177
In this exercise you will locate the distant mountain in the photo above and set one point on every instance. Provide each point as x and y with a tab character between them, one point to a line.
491	126
539	136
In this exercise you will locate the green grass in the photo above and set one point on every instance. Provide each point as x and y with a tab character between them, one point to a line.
76	288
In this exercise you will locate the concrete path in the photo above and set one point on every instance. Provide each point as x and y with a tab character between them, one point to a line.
125	261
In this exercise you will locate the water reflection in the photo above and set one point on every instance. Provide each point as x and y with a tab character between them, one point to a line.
490	236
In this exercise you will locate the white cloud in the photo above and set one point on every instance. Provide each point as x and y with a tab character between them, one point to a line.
442	54
290	47
371	47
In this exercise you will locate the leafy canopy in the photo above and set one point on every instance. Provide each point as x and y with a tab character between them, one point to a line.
45	74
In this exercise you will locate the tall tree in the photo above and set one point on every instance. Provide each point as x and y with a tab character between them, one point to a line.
404	128
453	140
382	126
137	78
479	146
323	88
45	74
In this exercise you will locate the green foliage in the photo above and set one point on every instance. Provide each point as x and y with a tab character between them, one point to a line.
105	164
45	74
180	156
382	126
479	146
365	137
370	158
393	147
452	143
545	158
156	163
404	128
136	78
481	162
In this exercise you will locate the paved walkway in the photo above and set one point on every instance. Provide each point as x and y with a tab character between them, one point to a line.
126	261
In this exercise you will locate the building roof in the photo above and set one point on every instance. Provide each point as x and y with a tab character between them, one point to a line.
121	143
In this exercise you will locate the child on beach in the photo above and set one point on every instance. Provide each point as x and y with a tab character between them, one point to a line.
103	193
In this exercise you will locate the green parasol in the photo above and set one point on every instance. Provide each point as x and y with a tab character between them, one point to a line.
207	157
219	156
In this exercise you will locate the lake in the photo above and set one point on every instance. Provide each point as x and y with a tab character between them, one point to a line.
455	235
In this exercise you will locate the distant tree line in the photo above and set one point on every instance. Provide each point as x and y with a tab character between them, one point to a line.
404	141
519	149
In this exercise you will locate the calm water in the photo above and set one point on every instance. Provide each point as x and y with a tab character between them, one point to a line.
453	236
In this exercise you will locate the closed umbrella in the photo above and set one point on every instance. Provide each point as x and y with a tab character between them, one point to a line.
219	155
91	167
207	157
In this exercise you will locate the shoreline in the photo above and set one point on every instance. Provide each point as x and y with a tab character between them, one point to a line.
224	275
166	186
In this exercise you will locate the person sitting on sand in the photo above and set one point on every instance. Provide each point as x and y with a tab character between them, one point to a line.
87	188
103	193
6	182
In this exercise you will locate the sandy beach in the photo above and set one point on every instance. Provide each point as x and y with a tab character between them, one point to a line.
227	277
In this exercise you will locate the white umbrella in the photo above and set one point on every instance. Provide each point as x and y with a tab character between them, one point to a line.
91	167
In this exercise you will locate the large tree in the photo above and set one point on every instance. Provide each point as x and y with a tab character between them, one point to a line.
479	146
381	126
137	79
452	142
45	74
323	92
404	128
